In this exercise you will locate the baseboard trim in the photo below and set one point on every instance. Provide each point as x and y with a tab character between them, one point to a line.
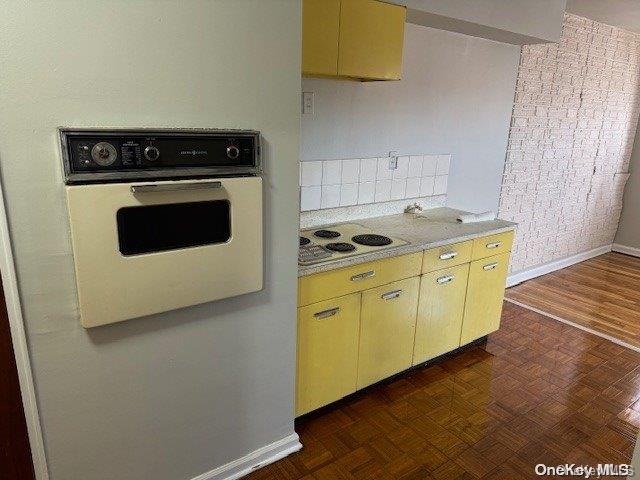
254	460
615	340
634	252
528	274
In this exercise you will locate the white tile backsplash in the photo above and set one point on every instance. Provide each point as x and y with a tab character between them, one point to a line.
426	186
383	191
331	172
348	194
366	192
429	165
330	196
350	171
413	187
415	166
310	174
402	170
440	186
368	169
383	171
398	188
344	183
442	167
310	198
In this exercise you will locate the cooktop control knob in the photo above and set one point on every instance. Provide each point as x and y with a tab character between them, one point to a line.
104	154
233	152
151	153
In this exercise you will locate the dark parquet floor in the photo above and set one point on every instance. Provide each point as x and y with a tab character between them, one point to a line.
539	391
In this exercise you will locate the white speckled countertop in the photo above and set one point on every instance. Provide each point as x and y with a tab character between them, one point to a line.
429	229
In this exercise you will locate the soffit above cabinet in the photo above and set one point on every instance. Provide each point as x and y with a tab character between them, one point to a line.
518	22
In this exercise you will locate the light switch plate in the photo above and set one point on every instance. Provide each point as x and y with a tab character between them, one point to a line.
308	100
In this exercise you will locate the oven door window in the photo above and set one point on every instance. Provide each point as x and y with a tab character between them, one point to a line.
158	228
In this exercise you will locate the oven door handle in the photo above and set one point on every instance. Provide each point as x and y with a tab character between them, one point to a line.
173	187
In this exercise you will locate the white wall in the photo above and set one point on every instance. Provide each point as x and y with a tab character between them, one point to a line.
455	97
170	396
571	139
629	229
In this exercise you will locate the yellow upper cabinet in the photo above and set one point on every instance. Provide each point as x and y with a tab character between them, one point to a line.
358	39
371	40
320	33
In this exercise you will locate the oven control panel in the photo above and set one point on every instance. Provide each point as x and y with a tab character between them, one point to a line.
113	155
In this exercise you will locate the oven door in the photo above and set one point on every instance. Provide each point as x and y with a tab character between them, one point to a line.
144	248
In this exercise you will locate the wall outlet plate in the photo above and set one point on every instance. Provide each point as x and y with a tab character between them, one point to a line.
393	160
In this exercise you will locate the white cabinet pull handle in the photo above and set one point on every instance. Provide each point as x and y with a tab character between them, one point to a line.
445	279
490	266
494	245
327	313
391	295
363	276
448	255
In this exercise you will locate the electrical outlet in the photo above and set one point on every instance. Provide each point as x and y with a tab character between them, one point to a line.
393	160
308	100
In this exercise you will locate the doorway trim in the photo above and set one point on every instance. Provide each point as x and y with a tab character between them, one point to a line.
20	348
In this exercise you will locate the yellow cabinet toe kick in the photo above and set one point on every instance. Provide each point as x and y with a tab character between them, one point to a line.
361	324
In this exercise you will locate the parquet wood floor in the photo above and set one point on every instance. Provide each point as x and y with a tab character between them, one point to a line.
539	391
602	293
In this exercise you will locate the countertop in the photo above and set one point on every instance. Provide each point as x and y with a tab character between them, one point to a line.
429	229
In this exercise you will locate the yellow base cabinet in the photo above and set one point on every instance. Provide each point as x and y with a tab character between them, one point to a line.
327	352
320	33
387	329
440	312
485	293
363	323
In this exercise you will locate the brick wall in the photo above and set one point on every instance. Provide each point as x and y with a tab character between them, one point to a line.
574	119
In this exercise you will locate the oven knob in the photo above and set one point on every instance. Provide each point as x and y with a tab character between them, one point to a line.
233	152
151	153
104	154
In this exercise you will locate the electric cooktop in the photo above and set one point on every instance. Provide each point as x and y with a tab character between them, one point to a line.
335	242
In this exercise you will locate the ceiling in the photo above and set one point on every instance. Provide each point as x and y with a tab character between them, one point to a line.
621	13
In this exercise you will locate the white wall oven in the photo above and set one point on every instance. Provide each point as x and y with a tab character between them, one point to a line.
162	219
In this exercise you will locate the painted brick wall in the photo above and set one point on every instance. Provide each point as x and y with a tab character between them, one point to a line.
574	120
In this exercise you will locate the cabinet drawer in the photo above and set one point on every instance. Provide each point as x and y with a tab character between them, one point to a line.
327	352
492	245
447	256
343	281
439	323
387	329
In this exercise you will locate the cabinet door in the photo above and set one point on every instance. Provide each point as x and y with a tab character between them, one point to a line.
485	293
387	328
371	39
440	311
320	25
327	351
